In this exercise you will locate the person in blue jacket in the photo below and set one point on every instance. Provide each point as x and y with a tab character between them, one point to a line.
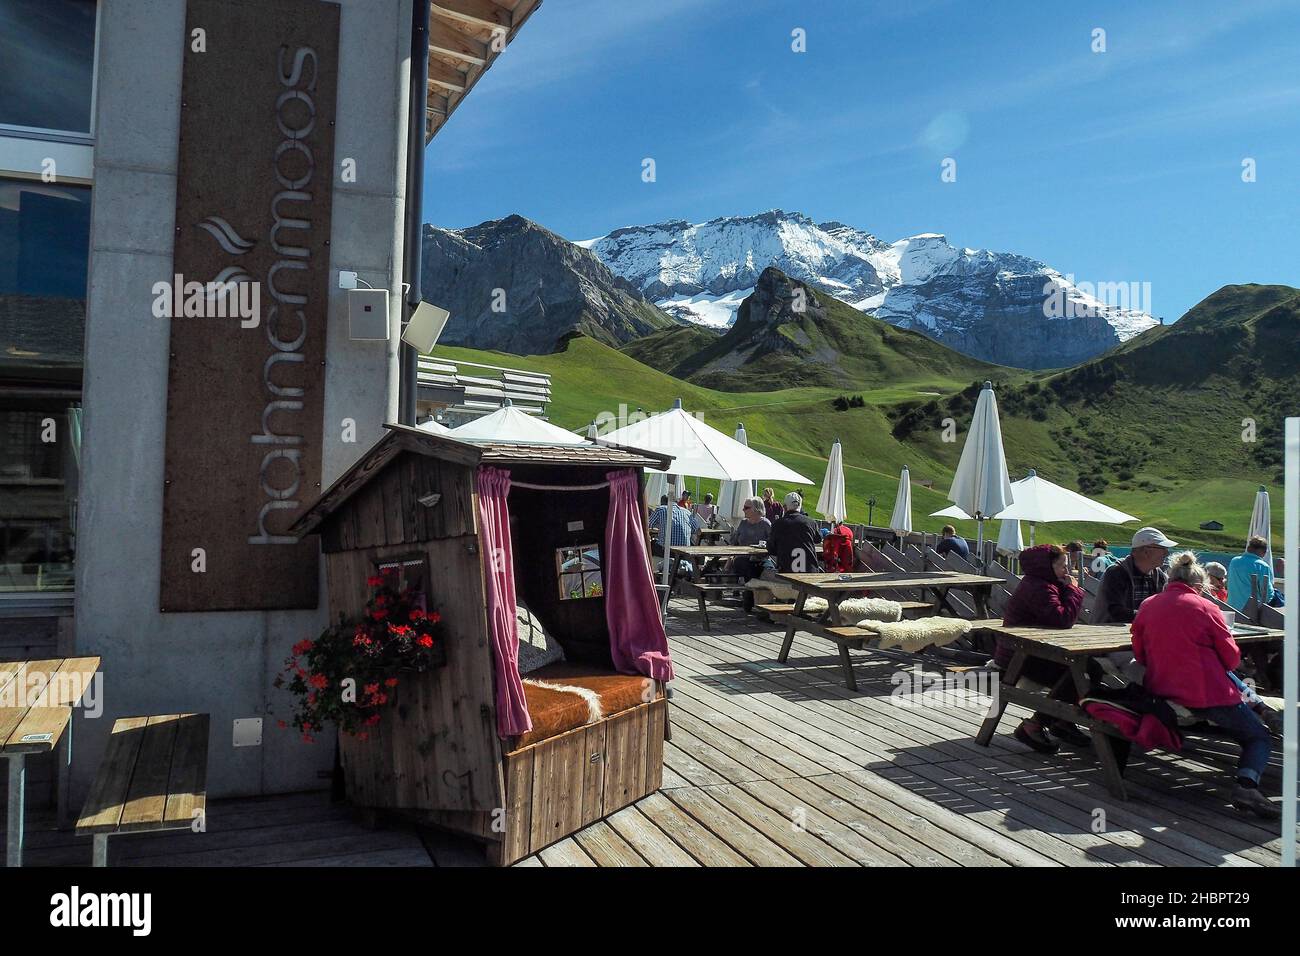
1251	564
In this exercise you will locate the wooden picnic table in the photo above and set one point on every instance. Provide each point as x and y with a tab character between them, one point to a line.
708	583
36	701
1073	647
834	588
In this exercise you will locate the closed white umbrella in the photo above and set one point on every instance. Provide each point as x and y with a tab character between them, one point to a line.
699	449
592	433
509	424
656	486
901	520
1261	522
981	487
732	494
830	504
1009	540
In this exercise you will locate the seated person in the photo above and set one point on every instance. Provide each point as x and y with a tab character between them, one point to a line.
952	542
1126	584
753	529
707	511
1102	559
684	525
1187	650
795	540
1216	581
1047	596
1244	567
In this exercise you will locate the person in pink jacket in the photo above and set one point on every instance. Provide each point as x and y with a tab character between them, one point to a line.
1187	650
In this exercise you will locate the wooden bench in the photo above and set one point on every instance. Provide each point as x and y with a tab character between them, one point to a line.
153	777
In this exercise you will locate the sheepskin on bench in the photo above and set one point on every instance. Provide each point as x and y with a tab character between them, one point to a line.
912	636
852	610
564	697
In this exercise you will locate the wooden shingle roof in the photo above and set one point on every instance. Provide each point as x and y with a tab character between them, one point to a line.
402	438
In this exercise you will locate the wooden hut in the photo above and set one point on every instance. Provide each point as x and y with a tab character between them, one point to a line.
472	746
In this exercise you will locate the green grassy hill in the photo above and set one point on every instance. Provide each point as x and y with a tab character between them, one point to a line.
788	333
1136	429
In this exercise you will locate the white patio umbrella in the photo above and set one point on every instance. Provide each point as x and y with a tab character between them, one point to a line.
1039	500
901	520
1009	540
509	424
434	427
591	432
1261	522
830	504
981	487
732	494
700	450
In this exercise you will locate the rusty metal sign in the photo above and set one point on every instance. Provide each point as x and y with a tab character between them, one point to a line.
247	304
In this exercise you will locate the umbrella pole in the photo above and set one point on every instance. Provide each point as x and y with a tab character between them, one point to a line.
666	544
1031	534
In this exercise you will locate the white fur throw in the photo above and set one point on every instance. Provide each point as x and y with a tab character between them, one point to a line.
912	636
590	697
852	610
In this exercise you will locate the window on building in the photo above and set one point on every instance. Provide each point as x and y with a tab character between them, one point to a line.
47	48
44	243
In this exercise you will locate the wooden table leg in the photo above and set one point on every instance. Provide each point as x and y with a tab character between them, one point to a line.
790	626
62	800
980	595
1111	773
846	663
1009	679
14	818
704	609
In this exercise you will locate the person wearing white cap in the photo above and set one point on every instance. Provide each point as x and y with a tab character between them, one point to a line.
1127	584
795	539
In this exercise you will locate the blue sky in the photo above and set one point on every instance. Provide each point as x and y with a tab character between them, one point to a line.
1122	166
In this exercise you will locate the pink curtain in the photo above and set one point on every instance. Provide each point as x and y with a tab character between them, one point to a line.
637	640
494	538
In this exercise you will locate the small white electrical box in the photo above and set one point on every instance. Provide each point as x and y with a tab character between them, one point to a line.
248	732
368	314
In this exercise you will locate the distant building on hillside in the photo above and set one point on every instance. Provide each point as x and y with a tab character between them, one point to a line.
458	392
1211	526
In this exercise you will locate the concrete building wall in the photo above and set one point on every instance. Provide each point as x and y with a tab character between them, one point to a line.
219	663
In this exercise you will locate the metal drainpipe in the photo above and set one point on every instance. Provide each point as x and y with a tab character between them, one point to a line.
408	358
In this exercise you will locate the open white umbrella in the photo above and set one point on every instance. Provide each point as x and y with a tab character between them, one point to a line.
901	520
1039	500
981	487
830	504
732	494
699	449
1261	522
434	427
1009	540
509	424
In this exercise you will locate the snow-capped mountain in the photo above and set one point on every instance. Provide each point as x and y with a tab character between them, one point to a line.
1000	307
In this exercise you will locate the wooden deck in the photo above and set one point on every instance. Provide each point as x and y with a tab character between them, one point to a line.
779	765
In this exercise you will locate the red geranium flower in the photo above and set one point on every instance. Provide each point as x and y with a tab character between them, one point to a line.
424	640
372	688
434	617
319	681
391	682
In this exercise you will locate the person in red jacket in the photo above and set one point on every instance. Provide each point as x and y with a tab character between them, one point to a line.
1047	596
1187	650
